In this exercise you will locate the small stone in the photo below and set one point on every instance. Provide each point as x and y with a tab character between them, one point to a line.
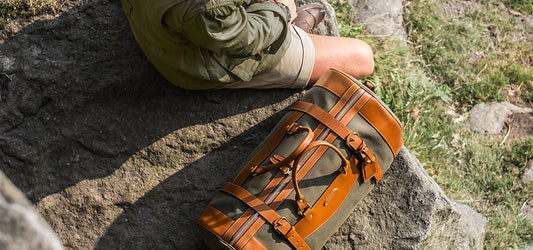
528	173
527	209
21	227
381	18
490	118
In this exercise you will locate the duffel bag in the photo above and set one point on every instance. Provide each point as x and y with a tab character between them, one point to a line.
301	183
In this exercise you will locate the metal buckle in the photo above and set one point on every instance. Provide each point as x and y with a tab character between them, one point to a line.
350	138
278	223
366	157
286	170
291	129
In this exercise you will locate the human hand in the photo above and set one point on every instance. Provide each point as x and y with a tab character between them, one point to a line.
291	5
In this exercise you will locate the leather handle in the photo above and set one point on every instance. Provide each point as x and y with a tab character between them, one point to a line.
300	199
291	129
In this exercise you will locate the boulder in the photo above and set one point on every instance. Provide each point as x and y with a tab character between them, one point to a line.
408	210
490	118
114	156
21	227
380	18
527	176
527	209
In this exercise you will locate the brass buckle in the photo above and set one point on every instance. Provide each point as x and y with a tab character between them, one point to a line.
291	129
350	138
362	149
278	223
366	157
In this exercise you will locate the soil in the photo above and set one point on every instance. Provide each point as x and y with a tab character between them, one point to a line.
520	125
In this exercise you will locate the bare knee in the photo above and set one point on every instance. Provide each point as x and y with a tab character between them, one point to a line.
362	59
350	55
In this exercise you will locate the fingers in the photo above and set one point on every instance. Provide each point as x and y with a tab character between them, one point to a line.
291	5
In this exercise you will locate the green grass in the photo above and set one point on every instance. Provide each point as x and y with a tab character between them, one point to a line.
524	6
12	9
447	66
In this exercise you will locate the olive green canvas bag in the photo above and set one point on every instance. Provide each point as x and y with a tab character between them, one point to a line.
301	183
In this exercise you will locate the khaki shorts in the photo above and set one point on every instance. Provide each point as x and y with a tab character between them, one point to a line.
293	71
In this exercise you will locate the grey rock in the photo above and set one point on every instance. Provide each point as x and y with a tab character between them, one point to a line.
527	209
21	227
490	118
527	176
527	22
114	156
408	210
381	18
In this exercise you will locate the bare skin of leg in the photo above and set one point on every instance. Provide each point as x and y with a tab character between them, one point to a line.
350	55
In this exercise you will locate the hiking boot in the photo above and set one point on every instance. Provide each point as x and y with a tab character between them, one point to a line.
309	16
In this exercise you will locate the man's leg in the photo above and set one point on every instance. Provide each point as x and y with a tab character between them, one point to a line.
350	55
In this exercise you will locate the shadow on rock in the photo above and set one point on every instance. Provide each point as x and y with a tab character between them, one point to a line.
78	98
165	217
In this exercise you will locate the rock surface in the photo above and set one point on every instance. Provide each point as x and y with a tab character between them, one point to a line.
381	18
527	209
21	227
491	118
527	176
114	156
408	210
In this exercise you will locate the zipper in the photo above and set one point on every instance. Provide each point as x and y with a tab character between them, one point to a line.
270	198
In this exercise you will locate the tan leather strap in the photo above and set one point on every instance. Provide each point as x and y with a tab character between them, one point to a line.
326	119
370	166
291	129
345	92
387	125
300	200
280	224
334	82
328	203
214	220
267	149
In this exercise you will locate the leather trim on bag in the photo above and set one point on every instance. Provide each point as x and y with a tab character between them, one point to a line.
214	220
384	125
258	222
335	83
266	150
254	244
279	223
322	211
